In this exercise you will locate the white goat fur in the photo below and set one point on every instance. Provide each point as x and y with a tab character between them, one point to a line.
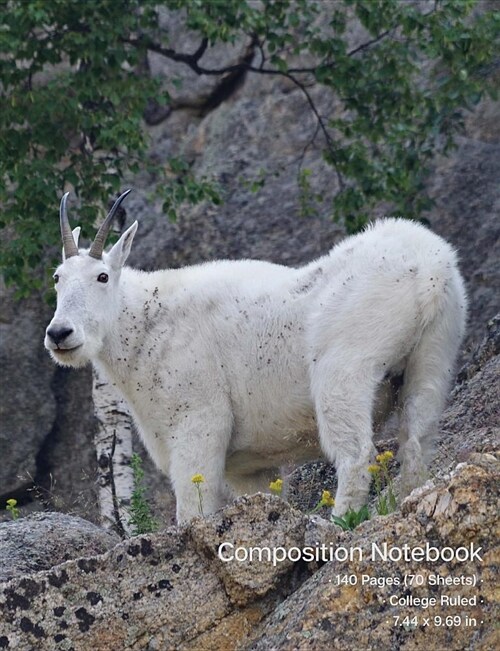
231	368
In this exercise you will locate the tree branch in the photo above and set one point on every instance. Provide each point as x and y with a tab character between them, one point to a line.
365	46
321	124
192	61
201	50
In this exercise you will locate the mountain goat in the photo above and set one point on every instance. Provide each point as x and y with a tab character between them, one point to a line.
232	368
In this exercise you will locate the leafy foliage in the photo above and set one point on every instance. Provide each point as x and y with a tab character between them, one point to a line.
352	519
141	518
74	90
71	109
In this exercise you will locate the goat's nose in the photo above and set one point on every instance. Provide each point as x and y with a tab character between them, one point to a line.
59	334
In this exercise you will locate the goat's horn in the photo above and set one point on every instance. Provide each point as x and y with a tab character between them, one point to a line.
100	239
69	246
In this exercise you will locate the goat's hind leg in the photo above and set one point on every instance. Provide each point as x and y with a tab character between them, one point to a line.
343	402
427	379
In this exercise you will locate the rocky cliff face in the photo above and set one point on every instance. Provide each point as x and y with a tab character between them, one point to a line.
172	591
231	129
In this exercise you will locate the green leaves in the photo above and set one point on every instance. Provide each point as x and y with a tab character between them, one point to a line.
184	188
78	123
352	519
59	125
141	517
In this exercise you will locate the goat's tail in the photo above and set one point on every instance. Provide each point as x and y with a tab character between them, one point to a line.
440	290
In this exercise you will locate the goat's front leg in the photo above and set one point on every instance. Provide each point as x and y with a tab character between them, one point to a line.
343	404
199	447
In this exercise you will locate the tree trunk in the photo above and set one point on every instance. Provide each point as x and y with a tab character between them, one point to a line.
113	443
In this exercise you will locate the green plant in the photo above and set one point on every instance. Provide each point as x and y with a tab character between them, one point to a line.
72	101
12	508
386	501
308	200
141	518
352	518
197	480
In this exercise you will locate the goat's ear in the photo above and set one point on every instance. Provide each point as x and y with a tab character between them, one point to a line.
76	237
119	253
76	234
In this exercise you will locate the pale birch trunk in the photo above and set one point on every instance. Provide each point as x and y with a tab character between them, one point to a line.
113	443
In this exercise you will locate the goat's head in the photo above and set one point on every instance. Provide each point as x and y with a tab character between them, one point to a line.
88	296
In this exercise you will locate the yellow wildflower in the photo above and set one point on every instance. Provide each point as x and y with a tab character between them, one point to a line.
374	469
12	502
385	456
327	499
197	479
276	486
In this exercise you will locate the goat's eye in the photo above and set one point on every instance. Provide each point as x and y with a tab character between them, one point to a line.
103	278
56	279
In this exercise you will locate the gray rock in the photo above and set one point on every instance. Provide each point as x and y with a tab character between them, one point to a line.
471	424
66	461
488	348
263	518
42	540
467	195
27	405
325	613
170	591
165	591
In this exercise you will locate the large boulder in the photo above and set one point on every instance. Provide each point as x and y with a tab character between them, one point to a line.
163	591
42	540
380	603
